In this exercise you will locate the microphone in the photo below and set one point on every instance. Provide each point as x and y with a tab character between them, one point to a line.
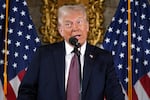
74	41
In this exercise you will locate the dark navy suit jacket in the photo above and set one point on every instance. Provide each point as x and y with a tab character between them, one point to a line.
45	77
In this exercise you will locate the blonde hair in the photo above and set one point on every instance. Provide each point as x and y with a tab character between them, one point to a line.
65	9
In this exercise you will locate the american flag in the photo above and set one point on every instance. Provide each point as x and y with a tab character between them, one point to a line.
116	41
22	43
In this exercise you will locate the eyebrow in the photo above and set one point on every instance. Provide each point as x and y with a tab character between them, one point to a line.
77	19
67	21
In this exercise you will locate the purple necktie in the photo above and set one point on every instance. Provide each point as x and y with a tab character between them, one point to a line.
73	85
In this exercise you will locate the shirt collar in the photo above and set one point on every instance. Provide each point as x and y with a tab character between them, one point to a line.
69	48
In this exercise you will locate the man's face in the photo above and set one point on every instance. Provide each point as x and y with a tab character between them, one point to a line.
74	25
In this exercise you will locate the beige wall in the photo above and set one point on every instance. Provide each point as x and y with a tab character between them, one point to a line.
35	6
110	8
34	10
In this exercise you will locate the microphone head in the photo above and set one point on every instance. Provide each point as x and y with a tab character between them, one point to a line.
74	41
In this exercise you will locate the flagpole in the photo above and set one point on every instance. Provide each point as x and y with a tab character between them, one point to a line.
129	53
6	48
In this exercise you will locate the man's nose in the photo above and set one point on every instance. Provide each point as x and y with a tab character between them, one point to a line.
75	26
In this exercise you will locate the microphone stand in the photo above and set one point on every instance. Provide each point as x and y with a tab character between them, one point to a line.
80	77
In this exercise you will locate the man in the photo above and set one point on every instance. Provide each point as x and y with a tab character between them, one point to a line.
47	76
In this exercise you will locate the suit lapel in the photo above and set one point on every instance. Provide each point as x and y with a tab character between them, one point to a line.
59	56
88	66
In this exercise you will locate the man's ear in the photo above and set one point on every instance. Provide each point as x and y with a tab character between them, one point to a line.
60	30
88	27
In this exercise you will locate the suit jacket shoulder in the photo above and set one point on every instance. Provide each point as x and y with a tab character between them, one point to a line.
51	47
98	52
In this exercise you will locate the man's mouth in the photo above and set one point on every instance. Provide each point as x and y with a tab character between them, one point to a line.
77	36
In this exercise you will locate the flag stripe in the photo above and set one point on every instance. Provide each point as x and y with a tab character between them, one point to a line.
21	74
142	95
15	82
145	81
2	96
135	97
148	74
11	94
125	93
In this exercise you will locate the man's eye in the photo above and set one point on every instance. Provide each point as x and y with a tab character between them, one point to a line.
67	24
80	22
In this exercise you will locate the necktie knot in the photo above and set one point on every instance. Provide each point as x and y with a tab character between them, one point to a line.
76	51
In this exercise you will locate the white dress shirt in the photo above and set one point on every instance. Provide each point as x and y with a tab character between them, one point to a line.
69	56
